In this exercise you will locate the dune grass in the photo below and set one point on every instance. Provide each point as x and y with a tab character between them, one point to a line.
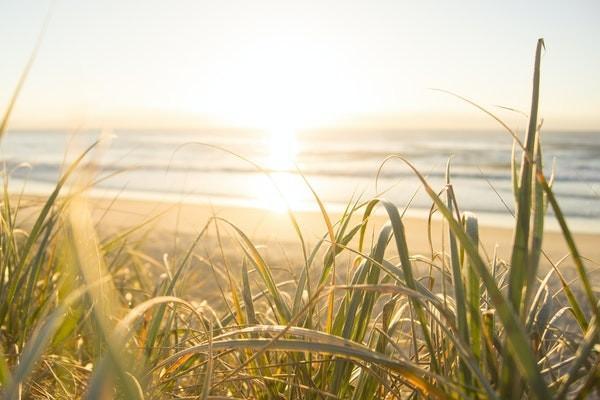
87	317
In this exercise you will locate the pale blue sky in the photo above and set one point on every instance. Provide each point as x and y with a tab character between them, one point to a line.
270	63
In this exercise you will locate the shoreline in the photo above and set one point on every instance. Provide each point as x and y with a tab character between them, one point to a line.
271	228
578	225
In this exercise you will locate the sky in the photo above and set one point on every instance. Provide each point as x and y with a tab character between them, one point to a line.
266	64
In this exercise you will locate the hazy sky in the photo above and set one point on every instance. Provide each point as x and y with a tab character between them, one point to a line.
300	64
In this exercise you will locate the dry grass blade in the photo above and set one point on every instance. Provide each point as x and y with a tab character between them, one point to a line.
338	347
25	73
471	102
265	272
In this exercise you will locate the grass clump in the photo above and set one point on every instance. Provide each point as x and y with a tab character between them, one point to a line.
87	317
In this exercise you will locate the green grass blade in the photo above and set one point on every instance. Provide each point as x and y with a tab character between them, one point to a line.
457	278
473	291
520	254
581	356
247	296
517	339
264	271
577	259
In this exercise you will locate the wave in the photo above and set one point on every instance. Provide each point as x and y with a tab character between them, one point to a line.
492	172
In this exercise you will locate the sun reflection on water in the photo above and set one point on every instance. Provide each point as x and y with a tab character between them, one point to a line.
280	161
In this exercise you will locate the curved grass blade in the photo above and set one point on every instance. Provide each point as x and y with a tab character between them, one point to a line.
343	349
517	339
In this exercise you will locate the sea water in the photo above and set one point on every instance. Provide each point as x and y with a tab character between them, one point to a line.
261	170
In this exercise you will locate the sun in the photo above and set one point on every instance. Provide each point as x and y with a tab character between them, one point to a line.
283	188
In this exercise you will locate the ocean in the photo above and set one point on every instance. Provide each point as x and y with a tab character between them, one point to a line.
341	166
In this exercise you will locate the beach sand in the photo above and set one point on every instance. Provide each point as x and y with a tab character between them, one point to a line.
168	229
167	221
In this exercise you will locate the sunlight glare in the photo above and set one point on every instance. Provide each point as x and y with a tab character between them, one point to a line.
282	150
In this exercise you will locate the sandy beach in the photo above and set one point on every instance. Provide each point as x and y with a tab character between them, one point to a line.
170	227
